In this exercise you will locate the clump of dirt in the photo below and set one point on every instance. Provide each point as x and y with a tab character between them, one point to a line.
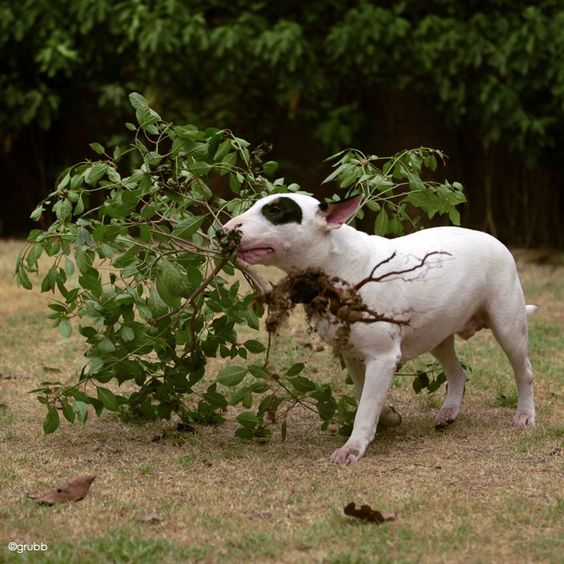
325	297
229	241
366	513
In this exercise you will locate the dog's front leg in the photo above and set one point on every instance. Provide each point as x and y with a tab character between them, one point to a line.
378	379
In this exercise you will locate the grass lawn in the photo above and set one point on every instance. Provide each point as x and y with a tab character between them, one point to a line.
480	491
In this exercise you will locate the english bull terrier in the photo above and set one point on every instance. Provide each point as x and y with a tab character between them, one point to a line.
466	281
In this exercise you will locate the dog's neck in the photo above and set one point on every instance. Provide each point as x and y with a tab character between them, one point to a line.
344	252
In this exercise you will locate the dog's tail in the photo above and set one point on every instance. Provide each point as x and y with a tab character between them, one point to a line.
530	309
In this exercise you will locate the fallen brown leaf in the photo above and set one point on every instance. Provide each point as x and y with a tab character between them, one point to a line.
73	491
368	514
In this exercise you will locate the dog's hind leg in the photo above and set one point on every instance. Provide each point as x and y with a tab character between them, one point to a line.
456	379
511	334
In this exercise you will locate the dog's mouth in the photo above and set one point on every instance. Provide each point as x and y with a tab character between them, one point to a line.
256	254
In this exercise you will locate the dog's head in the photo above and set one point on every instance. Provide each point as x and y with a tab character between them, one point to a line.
290	230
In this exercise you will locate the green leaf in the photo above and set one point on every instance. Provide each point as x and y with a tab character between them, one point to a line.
436	383
270	167
260	387
254	346
258	371
107	397
223	149
22	279
48	283
83	237
63	209
69	267
65	328
36	213
169	283
68	410
228	162
96	147
51	421
215	399
231	375
96	364
294	370
81	410
187	227
454	216
248	419
105	346
64	182
302	384
381	223
138	101
234	183
415	183
83	260
240	395
245	434
94	173
349	178
200	168
90	280
420	381
127	333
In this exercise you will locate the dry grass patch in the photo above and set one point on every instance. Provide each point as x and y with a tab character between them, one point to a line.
480	491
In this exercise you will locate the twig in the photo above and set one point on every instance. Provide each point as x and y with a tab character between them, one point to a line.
372	278
196	293
257	279
379	317
382	262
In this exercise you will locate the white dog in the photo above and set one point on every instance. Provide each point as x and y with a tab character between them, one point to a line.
443	282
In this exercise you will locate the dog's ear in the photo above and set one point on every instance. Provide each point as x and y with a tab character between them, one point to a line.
334	214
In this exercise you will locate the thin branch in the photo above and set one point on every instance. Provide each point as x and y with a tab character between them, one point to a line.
191	300
381	263
372	278
379	317
256	279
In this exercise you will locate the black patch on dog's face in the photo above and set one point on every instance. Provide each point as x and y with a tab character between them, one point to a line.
282	210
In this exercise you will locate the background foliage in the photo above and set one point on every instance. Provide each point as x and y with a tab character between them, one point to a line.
483	81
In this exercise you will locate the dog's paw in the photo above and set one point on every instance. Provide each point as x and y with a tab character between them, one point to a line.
389	418
348	454
524	419
446	416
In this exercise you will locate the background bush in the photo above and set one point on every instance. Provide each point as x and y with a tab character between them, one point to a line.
483	81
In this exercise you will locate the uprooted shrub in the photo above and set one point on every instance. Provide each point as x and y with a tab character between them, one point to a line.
138	269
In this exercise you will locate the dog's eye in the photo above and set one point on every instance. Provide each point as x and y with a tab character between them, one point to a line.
282	210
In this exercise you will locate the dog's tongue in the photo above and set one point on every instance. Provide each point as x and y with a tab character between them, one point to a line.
252	256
